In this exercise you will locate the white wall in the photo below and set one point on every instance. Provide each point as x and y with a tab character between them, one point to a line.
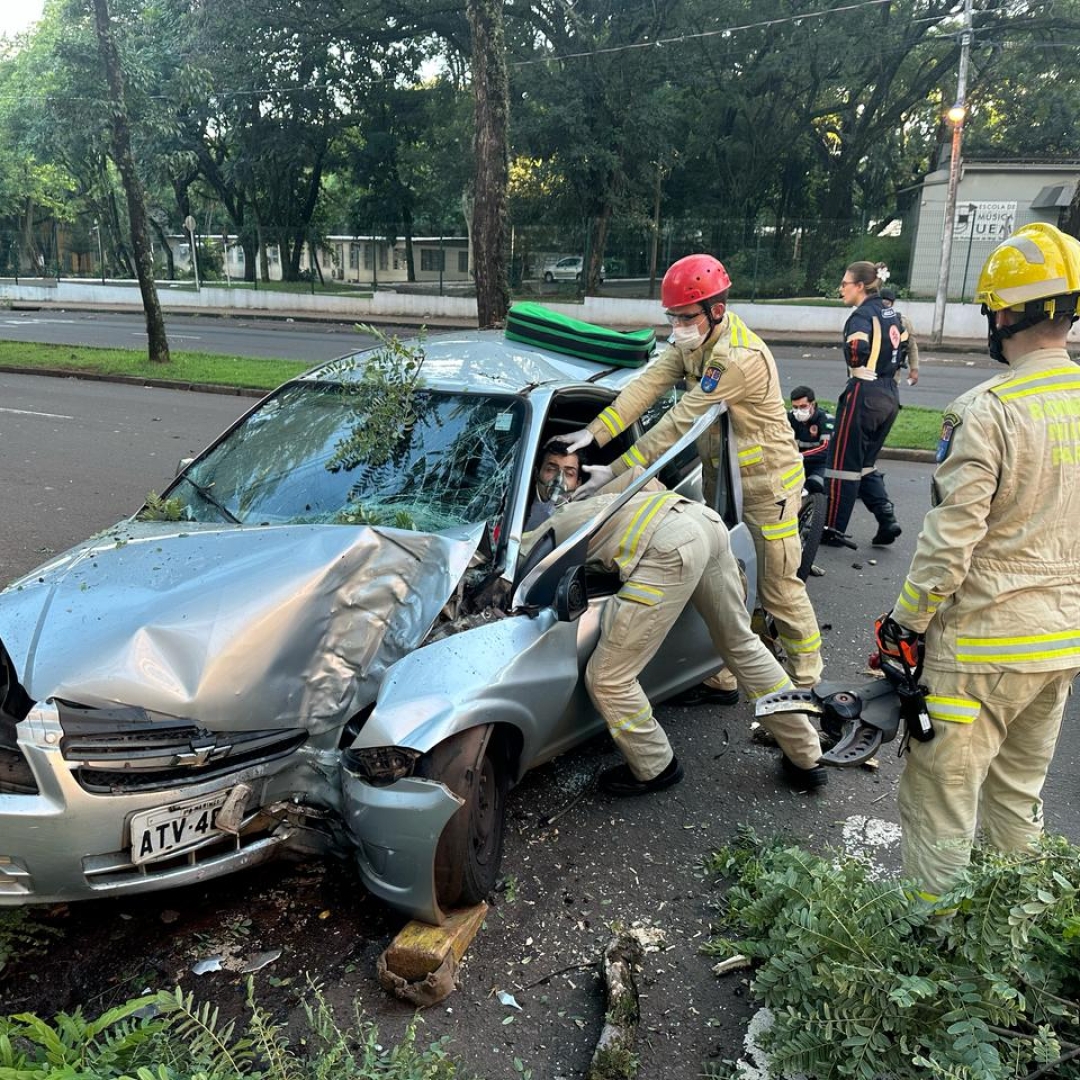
961	320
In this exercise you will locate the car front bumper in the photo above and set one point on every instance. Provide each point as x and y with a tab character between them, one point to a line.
65	843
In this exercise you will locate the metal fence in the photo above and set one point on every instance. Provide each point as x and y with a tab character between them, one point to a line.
796	260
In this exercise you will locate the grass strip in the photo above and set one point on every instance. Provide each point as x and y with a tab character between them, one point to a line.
186	367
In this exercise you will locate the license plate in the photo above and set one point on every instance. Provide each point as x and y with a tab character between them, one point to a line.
166	830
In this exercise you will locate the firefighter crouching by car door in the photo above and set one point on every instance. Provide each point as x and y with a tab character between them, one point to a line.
667	551
995	581
721	359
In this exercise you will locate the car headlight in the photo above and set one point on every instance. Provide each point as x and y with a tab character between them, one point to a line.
381	764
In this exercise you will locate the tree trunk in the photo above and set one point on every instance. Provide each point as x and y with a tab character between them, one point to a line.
492	94
157	342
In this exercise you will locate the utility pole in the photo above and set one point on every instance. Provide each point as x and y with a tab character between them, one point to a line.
956	116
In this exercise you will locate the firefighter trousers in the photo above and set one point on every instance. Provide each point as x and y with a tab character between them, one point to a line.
781	592
994	736
864	416
689	559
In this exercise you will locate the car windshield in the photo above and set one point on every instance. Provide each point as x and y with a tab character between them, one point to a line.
307	456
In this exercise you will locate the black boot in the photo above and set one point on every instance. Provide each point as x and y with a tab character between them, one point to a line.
888	527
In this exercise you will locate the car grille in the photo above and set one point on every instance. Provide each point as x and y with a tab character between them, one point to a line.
122	748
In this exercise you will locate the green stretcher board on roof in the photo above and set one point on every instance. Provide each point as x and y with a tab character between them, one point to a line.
534	324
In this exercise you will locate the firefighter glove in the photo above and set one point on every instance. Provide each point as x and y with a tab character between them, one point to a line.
598	476
575	440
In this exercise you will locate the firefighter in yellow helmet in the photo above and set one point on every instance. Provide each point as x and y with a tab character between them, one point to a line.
991	603
722	359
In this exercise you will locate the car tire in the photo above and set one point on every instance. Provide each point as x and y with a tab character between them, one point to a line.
469	853
577	276
549	277
811	523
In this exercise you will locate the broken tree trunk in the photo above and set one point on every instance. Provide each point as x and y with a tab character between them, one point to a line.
613	1058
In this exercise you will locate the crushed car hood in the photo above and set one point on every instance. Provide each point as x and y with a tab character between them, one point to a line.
235	627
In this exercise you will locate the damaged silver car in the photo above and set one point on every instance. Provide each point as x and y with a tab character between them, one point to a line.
321	638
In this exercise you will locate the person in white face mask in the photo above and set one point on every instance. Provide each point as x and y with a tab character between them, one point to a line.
722	359
813	427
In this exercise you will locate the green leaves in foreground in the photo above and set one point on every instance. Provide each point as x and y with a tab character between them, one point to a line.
168	1036
864	981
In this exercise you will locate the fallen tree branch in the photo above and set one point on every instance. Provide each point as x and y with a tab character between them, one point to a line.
614	1058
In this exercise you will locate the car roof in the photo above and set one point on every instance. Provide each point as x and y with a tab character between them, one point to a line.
487	360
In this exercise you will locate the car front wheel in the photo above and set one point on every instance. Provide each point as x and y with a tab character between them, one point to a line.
469	852
549	277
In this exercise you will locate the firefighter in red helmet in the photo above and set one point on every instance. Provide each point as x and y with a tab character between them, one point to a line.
721	359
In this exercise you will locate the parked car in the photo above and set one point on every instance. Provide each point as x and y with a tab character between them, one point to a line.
568	269
322	638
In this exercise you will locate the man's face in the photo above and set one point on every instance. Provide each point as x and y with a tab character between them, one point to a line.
802	404
553	464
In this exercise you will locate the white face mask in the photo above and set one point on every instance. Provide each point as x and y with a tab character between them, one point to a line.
687	337
802	415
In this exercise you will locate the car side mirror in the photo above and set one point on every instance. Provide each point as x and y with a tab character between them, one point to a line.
571	595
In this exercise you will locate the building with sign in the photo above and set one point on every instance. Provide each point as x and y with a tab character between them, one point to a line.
993	198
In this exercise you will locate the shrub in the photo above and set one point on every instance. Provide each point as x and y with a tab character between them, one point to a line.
864	981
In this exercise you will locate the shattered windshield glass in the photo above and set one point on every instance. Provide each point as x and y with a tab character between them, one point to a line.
305	456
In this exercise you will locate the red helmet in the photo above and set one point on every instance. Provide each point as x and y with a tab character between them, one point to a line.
695	278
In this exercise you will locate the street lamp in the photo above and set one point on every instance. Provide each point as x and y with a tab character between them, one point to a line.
955	116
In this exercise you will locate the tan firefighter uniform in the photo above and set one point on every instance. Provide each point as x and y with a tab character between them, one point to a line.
667	551
735	365
995	584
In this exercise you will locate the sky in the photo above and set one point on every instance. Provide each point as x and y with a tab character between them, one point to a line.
16	15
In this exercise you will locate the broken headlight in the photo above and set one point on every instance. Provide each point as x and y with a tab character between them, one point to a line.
381	764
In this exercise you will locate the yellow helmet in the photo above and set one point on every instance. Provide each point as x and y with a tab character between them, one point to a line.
1037	263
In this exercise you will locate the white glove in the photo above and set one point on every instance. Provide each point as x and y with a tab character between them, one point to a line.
576	440
599	475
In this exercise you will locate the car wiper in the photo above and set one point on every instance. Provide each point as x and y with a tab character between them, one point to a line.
205	493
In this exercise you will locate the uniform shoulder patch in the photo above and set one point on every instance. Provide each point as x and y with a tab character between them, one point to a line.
949	423
710	379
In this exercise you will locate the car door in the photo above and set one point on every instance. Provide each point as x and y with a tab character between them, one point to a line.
686	656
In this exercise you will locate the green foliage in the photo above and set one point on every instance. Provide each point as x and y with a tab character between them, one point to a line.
159	509
22	935
864	979
169	1036
382	399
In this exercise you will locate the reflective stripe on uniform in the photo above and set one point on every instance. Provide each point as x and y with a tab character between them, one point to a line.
784	684
633	457
612	421
875	348
752	455
742	335
1039	382
794	478
953	709
648	595
840	474
639	523
781	530
977	650
916	601
809	644
632	722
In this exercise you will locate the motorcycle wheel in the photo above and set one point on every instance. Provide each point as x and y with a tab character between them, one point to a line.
811	523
